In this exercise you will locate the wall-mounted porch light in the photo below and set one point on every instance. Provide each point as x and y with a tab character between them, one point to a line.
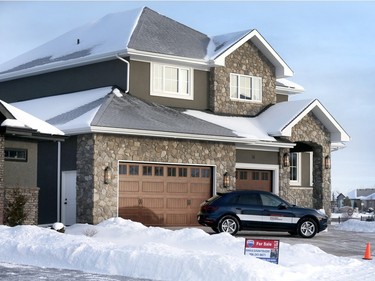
286	160
107	176
327	162
226	180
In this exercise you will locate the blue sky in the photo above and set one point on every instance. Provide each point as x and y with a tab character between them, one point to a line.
329	45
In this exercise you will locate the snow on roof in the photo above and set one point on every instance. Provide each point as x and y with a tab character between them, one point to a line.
26	120
220	43
140	32
288	86
89	41
246	127
69	111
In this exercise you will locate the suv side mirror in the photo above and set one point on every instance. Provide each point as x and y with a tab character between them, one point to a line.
283	206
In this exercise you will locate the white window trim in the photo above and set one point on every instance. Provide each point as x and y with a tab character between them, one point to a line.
188	96
246	100
298	181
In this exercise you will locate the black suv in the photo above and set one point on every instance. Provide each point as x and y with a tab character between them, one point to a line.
259	210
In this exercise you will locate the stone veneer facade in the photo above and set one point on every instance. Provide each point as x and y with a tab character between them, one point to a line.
246	60
310	131
97	201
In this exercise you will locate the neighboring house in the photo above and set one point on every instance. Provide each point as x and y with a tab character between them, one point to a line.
363	199
161	116
20	135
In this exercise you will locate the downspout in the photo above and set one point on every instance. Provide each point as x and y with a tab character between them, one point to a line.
127	72
58	181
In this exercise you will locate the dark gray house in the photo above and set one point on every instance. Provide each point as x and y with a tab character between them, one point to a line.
160	116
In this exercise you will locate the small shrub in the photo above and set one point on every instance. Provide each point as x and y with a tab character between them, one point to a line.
15	210
90	232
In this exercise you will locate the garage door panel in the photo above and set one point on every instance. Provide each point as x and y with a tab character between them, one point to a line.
153	203
176	203
162	194
153	187
200	188
129	186
254	180
177	187
177	219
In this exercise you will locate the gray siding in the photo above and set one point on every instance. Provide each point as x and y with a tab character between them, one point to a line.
140	87
109	73
18	173
257	157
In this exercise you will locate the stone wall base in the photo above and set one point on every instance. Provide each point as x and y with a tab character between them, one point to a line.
31	207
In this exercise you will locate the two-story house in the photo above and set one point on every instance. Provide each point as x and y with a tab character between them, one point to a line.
161	116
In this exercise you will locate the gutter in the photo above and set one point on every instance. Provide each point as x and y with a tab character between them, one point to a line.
127	72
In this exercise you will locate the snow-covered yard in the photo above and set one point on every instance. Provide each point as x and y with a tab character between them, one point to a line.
123	247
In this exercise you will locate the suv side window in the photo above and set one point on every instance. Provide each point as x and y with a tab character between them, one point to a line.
269	200
249	199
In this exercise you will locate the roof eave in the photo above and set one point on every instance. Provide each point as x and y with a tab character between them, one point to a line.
173	135
61	65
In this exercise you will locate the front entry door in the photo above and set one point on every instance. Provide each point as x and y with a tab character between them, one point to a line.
68	197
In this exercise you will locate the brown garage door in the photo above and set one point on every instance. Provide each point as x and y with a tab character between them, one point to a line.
254	180
163	195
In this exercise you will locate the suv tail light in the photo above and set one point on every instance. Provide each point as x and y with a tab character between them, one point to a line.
209	208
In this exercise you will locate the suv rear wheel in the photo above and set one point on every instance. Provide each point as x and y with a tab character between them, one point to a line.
229	224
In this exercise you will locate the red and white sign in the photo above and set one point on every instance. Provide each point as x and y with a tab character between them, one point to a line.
263	249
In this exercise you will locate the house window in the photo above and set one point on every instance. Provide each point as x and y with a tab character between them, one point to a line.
295	168
171	81
15	154
244	87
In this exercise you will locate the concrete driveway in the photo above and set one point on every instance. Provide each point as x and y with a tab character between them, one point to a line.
332	241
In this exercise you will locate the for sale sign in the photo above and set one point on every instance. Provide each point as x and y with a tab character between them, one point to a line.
263	249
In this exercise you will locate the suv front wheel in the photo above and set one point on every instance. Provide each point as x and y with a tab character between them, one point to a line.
307	228
229	224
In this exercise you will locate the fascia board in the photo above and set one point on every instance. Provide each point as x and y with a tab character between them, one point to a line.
200	64
282	69
337	132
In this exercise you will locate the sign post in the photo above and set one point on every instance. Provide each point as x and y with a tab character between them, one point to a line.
264	249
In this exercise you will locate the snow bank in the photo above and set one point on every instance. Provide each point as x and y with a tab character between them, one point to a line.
123	247
357	226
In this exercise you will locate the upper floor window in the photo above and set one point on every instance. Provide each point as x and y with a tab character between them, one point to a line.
244	87
171	81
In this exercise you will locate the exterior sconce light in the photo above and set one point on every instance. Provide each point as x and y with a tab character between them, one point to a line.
327	162
286	160
226	180
107	176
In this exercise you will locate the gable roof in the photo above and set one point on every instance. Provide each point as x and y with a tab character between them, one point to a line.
281	118
140	33
20	123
